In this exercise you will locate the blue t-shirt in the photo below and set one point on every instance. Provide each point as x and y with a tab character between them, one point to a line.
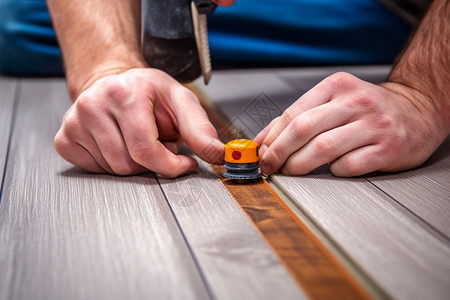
306	32
250	32
28	43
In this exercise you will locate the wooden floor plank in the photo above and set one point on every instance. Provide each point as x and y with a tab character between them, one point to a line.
7	93
388	243
425	191
236	261
65	234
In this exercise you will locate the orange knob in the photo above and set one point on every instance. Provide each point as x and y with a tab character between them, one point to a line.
241	151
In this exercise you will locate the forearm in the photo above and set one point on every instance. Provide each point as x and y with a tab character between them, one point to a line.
424	68
97	37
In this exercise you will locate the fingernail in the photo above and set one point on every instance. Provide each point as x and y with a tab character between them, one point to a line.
262	150
266	168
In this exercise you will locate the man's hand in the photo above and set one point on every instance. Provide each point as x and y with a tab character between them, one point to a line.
126	118
134	122
359	127
356	126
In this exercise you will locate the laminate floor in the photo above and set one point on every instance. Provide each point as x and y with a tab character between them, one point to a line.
68	234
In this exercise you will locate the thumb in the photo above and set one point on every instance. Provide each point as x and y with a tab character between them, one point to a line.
198	132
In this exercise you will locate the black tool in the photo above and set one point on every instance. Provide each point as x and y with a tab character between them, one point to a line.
174	37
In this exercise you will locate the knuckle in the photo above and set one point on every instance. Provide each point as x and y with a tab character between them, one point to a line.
117	90
86	105
71	123
366	100
62	144
325	147
386	123
301	128
289	115
181	92
341	79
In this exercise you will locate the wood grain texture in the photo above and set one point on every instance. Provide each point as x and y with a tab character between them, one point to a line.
65	234
425	191
235	259
7	93
315	269
391	245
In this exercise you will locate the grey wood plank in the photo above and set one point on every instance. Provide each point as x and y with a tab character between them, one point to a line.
236	261
405	258
7	92
425	191
303	79
65	234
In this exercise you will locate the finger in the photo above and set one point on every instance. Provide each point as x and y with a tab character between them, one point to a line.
140	134
224	2
97	131
300	131
330	88
263	133
314	97
77	155
111	145
196	129
72	133
328	147
360	161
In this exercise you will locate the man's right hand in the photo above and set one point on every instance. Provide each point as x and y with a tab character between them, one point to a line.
134	122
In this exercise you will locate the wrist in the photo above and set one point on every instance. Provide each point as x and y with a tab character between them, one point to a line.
426	105
79	78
